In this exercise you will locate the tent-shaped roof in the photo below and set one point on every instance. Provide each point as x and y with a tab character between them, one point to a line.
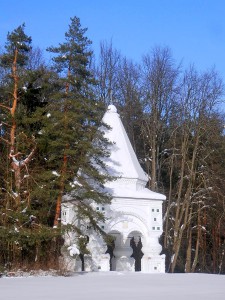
123	163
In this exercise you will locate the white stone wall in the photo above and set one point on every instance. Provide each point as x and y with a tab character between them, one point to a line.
126	218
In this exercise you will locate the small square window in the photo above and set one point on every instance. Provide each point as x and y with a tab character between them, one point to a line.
153	228
157	210
97	208
102	227
154	219
158	228
153	210
155	268
103	208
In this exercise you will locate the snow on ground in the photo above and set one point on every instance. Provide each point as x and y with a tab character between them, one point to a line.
114	285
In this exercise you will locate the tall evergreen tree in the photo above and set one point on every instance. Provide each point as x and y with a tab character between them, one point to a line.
13	60
24	231
75	143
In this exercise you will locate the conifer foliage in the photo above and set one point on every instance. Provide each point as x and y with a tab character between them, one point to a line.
74	125
51	147
13	60
23	239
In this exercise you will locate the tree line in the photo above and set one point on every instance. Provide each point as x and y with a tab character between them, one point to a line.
50	115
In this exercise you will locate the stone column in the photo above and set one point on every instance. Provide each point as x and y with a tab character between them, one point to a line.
122	254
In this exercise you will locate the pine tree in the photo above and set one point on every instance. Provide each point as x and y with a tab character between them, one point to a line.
24	229
72	133
13	61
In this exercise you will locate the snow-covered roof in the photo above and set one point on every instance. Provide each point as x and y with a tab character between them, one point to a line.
123	163
126	192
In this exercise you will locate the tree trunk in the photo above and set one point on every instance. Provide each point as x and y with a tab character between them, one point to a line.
61	192
64	166
197	243
189	248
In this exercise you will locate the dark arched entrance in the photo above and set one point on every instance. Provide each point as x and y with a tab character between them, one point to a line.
114	242
110	249
136	245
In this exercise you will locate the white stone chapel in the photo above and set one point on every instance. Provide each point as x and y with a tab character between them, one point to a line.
134	217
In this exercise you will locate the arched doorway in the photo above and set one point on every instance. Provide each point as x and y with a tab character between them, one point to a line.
113	243
135	238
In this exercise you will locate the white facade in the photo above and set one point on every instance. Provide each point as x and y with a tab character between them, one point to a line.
134	217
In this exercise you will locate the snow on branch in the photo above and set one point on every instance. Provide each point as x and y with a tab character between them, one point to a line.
202	191
73	250
23	162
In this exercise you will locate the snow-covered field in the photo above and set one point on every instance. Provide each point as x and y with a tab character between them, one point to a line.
114	285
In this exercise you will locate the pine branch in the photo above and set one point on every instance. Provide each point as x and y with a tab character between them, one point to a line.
4	140
4	106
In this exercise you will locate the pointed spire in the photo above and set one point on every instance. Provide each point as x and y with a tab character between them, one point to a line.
112	109
123	161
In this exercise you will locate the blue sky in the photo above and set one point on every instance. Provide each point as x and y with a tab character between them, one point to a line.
193	29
